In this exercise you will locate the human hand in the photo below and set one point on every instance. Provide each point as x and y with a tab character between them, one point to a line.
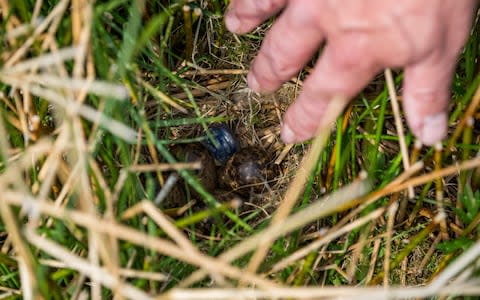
362	38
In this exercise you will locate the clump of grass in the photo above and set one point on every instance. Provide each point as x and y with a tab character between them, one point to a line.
95	98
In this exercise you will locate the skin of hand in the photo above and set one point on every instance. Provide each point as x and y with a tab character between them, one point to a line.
360	39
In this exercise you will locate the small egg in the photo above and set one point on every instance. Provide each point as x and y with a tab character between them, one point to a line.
175	198
250	172
246	170
226	143
207	175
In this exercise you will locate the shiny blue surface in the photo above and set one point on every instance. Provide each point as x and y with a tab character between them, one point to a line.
227	143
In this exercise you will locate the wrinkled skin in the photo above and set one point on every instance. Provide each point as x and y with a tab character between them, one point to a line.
362	38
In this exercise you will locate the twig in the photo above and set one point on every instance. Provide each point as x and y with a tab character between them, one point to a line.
166	167
283	154
201	91
373	260
201	71
439	189
428	255
403	272
162	96
187	26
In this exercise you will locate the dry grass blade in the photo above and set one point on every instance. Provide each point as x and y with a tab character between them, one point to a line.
116	128
201	71
366	293
419	180
119	231
21	30
392	210
162	96
315	211
367	200
41	62
299	254
26	159
401	182
398	124
199	91
57	11
83	175
85	267
124	272
169	228
95	87
373	260
396	185
428	255
472	108
296	187
165	167
283	154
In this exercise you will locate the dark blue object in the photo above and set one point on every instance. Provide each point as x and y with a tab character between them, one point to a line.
226	143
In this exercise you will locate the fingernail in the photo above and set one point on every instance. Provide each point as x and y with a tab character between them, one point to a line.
232	22
287	135
253	83
434	129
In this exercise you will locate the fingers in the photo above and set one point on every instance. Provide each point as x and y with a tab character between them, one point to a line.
290	43
427	83
244	15
425	98
343	70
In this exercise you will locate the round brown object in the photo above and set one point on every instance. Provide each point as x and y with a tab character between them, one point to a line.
246	171
207	175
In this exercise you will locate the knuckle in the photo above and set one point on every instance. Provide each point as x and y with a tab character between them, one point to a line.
352	51
280	59
348	58
266	6
264	76
282	68
424	101
308	116
256	8
430	99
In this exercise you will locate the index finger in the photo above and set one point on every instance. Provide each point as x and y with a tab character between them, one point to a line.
244	15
